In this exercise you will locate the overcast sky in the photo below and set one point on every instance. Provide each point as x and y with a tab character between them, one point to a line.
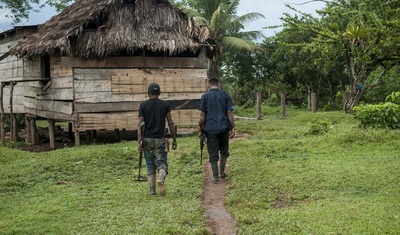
271	9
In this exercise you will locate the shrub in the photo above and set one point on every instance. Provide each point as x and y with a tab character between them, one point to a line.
318	128
384	115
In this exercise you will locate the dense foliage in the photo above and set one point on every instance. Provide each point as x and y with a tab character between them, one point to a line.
382	115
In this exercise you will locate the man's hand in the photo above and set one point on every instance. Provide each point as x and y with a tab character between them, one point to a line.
174	144
140	146
232	133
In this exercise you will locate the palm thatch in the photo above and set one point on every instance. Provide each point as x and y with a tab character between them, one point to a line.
95	29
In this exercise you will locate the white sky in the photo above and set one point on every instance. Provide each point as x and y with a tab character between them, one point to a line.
271	9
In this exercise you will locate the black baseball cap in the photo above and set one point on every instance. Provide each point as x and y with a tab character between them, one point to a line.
154	88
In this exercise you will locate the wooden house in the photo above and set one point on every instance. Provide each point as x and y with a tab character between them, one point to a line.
12	71
91	64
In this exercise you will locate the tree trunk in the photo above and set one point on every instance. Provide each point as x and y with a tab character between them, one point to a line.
353	100
214	68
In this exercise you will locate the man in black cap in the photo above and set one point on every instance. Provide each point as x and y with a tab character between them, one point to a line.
153	113
218	124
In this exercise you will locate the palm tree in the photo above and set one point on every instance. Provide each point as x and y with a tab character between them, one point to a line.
224	26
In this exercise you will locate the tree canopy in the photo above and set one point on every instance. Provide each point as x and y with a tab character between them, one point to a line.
20	9
226	28
365	32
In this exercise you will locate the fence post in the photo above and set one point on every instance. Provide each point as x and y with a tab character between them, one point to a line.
259	101
314	102
283	105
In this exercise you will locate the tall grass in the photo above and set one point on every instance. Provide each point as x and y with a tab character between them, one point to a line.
305	174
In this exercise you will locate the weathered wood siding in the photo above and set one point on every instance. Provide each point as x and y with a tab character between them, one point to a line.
53	100
109	98
12	68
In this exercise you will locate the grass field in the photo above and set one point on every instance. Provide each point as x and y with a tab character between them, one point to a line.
305	174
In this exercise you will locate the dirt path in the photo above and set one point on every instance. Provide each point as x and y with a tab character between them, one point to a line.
219	221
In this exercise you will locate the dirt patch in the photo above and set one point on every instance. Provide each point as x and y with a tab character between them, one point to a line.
219	221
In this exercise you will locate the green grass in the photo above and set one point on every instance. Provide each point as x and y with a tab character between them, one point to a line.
287	177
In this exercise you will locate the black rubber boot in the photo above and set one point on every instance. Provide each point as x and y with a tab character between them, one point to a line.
214	167
152	183
222	164
160	182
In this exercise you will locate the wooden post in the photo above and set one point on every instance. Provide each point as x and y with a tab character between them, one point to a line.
70	132
2	132
117	135
259	101
12	118
34	131
283	105
77	138
28	129
51	134
314	102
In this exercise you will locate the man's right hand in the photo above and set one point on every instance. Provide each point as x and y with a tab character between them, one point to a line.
140	146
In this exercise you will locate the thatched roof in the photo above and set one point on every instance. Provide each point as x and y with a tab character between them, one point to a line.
99	28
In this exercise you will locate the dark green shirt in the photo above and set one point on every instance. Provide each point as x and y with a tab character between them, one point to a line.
154	111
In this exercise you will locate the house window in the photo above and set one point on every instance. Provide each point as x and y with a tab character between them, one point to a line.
45	68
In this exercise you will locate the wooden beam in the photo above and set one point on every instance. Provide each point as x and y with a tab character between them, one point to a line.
136	62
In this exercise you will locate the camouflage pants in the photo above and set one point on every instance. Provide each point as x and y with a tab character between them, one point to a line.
155	155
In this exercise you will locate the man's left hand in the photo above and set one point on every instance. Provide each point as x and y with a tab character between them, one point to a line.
232	133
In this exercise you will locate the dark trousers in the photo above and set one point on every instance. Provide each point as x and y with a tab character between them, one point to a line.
217	144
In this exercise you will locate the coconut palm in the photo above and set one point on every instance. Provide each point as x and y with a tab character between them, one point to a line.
224	27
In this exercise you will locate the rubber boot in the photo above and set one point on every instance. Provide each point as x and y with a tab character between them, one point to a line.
222	164
214	167
160	182
152	183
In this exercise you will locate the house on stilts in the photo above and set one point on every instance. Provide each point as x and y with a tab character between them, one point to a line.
91	64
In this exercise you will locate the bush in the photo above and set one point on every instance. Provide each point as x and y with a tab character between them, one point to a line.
384	115
318	128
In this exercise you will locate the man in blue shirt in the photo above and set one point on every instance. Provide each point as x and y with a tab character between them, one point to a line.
217	122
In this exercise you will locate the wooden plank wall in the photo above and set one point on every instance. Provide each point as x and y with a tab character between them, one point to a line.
53	100
11	68
129	120
110	98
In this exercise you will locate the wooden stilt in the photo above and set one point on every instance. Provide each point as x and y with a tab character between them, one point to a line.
117	135
12	118
51	134
34	132
70	132
77	137
28	129
2	132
